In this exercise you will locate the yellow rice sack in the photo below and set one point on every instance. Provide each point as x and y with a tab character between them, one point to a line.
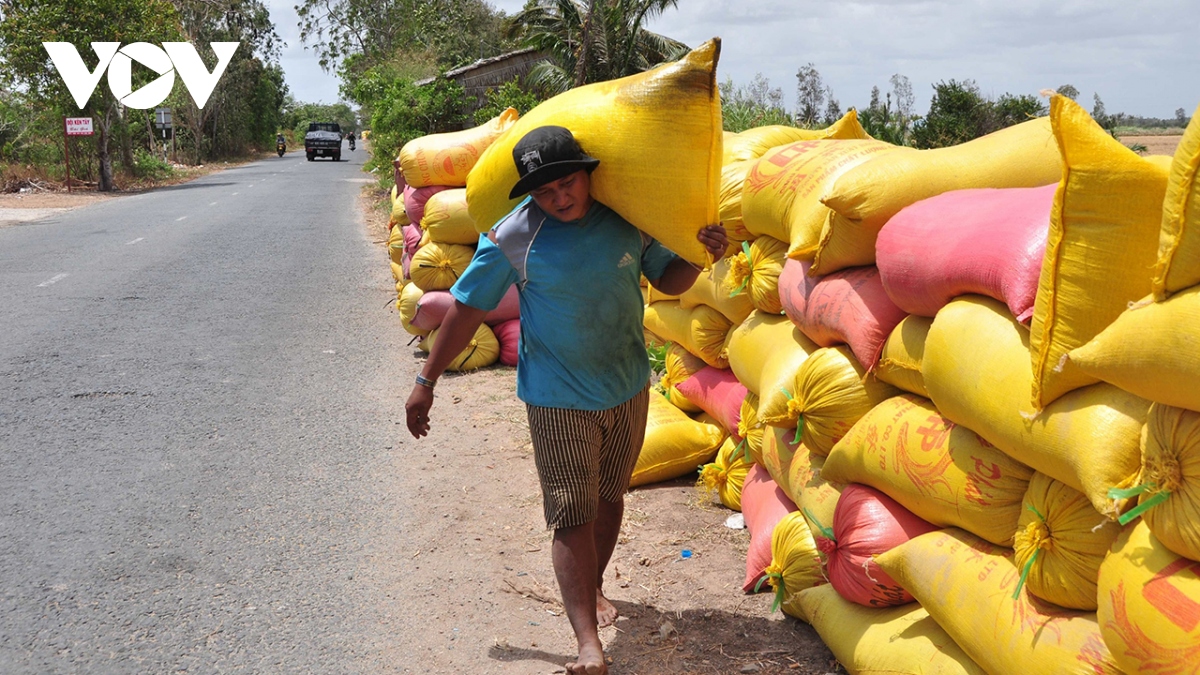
781	196
446	219
766	348
976	368
1104	228
815	496
779	449
1150	606
1169	489
828	394
447	159
435	267
902	640
942	472
729	202
657	135
701	330
754	143
900	361
1152	350
406	304
396	248
1060	542
679	365
675	444
967	586
483	350
1178	264
725	476
795	563
864	198
710	289
750	430
399	217
754	271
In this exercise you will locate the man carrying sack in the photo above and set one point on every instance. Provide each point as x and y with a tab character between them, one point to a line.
582	369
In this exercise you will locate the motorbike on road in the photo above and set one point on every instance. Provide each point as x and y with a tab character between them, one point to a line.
351	142
280	145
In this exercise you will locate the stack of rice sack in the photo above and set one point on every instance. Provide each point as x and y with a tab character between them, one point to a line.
435	247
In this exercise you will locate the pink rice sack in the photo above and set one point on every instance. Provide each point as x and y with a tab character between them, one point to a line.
846	307
866	523
763	505
718	393
508	333
415	198
433	305
412	242
985	241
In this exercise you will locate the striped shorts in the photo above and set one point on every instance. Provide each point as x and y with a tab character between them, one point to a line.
585	455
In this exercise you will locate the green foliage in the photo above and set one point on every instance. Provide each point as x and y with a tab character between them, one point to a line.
658	357
753	105
296	117
146	165
959	113
403	111
508	95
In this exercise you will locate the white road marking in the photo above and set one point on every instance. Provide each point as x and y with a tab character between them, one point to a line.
212	203
236	193
53	280
131	243
180	218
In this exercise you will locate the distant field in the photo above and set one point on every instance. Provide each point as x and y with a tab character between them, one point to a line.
1155	144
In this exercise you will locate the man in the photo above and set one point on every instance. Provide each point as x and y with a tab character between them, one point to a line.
582	366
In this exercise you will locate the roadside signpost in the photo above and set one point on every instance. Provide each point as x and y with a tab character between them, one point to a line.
74	126
162	122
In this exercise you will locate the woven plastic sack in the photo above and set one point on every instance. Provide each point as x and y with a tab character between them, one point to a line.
942	472
446	159
432	308
901	640
816	496
795	563
900	359
1178	264
779	450
1103	239
1150	606
749	430
865	198
725	475
508	334
406	305
396	252
865	524
754	143
729	201
782	191
764	504
483	350
446	219
765	348
679	365
701	330
416	198
398	215
1059	544
657	135
976	370
848	307
675	444
984	241
1169	484
412	242
754	271
828	394
711	289
967	585
435	267
718	393
1151	350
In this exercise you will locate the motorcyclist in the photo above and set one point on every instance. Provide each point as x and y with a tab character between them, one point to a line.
280	144
351	137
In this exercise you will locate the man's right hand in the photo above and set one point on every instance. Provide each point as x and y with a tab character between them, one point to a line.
417	408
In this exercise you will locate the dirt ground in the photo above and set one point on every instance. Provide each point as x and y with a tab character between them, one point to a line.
678	615
1155	145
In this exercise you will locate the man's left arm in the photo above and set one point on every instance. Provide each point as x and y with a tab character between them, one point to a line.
679	274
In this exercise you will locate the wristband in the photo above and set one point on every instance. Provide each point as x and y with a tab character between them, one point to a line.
425	382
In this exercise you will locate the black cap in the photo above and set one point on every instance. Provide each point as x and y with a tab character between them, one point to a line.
546	154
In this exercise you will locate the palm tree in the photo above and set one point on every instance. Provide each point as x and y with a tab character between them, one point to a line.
592	40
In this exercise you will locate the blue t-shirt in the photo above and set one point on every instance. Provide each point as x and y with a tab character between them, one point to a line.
582	345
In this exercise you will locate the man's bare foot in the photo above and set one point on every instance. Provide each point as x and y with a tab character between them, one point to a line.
591	662
606	613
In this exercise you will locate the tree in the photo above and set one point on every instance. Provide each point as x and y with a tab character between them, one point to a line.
902	95
1069	91
753	105
1181	117
957	113
508	95
593	42
27	65
833	109
810	94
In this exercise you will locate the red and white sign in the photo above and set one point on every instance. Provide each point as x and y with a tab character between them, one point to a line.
79	126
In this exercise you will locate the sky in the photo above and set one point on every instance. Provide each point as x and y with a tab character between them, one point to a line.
1138	55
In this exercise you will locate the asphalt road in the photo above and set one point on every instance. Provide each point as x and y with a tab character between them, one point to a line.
197	391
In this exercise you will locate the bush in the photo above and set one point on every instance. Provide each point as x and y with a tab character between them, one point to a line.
959	113
146	165
404	111
508	95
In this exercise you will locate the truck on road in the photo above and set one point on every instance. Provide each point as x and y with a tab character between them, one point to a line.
324	139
